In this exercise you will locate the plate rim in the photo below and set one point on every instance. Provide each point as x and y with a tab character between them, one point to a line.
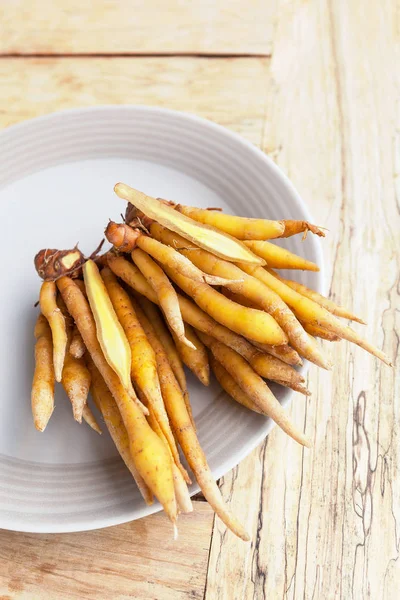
226	466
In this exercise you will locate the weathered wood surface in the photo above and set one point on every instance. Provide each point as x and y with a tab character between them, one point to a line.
325	522
217	89
136	27
139	560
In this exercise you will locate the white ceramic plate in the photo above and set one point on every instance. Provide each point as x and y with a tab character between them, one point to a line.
56	188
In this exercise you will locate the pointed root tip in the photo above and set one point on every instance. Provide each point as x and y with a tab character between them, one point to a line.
325	364
143	408
204	377
244	536
358	320
175	531
303	390
188	343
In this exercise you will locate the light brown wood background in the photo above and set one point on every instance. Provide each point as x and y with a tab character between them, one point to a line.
315	84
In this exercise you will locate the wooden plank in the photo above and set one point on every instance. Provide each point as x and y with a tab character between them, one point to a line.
219	89
136	27
325	522
139	560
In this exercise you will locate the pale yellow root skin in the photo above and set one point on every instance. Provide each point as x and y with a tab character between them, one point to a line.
77	347
90	419
193	315
265	365
270	367
150	455
169	257
331	306
285	353
115	425
134	278
181	490
195	359
165	291
320	332
310	312
42	396
231	387
186	434
239	227
155	318
143	360
49	308
254	386
76	383
253	324
280	258
256	292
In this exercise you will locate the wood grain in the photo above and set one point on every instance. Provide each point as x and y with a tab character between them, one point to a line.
325	522
139	560
219	89
132	26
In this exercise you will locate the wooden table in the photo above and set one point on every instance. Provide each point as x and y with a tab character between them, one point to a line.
315	84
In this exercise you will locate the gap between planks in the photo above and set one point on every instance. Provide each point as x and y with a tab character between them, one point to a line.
132	55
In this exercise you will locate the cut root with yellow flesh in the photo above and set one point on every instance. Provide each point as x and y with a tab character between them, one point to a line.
205	236
109	330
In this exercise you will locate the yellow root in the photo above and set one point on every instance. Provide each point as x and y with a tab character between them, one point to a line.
280	258
310	312
77	347
165	291
239	227
115	425
151	457
49	308
253	289
331	306
154	316
254	386
90	419
42	397
180	421
196	360
232	388
76	383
